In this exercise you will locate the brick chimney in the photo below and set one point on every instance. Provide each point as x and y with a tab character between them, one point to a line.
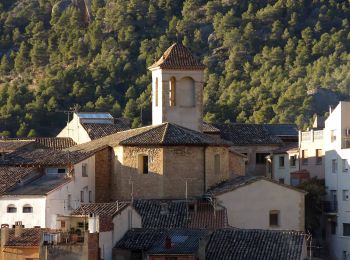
4	234
167	244
18	228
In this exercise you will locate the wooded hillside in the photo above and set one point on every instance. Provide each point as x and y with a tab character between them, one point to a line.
265	58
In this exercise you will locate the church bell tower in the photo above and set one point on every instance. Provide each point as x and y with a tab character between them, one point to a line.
177	88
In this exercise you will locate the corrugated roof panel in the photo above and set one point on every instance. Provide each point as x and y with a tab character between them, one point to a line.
94	115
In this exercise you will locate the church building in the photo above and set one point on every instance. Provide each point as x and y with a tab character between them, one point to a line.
172	158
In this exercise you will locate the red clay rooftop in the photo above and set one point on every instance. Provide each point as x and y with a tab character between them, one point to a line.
178	57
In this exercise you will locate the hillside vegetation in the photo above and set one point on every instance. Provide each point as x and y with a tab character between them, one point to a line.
263	58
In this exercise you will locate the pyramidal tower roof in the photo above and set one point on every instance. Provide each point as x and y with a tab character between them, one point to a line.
178	57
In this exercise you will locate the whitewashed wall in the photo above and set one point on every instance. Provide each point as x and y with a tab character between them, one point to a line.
338	121
36	218
46	208
75	131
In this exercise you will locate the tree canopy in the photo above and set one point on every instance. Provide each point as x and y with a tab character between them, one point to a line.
265	59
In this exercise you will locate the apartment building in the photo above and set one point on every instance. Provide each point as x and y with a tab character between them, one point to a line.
337	177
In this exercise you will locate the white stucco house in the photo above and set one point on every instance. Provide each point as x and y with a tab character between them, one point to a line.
43	184
87	126
337	177
261	203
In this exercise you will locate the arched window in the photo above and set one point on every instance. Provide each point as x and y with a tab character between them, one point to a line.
156	94
172	92
27	208
186	91
11	208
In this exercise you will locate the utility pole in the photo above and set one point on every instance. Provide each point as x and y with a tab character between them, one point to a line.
132	190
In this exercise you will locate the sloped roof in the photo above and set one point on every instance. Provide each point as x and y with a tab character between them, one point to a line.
10	176
248	134
183	241
166	134
178	57
95	130
282	129
44	157
40	186
56	143
108	209
177	215
241	181
244	244
29	237
13	145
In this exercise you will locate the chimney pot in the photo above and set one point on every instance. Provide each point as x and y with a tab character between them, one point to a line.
4	234
18	228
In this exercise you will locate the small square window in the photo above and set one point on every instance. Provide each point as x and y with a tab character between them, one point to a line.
281	161
318	156
27	209
82	196
345	167
346	229
143	164
84	170
345	195
61	170
281	180
274	218
292	161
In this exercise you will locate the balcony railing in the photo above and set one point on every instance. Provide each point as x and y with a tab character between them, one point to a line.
330	206
311	136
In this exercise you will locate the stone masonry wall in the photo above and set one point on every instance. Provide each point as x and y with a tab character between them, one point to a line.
144	185
181	163
169	168
237	164
213	177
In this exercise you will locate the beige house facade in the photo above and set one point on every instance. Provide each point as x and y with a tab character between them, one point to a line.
260	203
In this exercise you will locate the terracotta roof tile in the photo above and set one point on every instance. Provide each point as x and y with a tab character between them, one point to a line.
245	244
13	145
44	157
165	134
29	237
57	143
248	134
10	176
183	241
178	57
101	209
241	181
176	215
40	186
96	131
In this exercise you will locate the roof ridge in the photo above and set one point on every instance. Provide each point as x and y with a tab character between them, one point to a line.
151	127
165	132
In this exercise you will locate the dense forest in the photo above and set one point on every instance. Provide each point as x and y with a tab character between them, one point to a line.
265	59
